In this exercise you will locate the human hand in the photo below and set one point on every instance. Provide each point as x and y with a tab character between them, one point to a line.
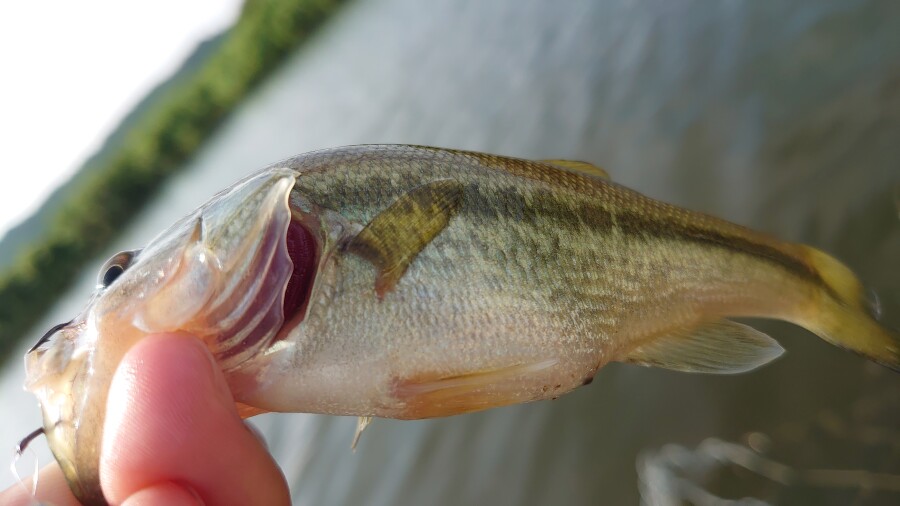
173	437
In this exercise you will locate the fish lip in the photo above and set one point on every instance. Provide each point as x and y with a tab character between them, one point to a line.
46	337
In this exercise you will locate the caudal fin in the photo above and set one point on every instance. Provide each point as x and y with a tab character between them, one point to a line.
845	317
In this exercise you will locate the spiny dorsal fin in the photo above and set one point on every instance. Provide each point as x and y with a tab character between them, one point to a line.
718	347
582	167
396	235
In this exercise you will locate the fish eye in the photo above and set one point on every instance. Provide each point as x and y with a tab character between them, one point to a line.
114	267
112	273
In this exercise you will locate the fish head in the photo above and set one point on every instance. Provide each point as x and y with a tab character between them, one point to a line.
219	274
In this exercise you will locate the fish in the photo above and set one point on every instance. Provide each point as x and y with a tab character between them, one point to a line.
414	282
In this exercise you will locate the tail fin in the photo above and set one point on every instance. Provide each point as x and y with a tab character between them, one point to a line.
845	317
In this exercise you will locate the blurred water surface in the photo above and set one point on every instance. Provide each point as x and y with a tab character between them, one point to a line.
781	116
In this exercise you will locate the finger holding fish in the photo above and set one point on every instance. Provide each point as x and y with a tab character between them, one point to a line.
170	410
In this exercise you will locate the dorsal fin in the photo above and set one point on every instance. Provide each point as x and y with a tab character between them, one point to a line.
718	347
396	235
582	167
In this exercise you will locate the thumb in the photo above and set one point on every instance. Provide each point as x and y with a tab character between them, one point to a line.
173	436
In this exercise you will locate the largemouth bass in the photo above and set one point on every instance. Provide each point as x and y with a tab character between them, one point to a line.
413	282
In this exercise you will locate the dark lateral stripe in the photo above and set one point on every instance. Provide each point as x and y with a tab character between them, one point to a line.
574	215
571	201
755	249
666	226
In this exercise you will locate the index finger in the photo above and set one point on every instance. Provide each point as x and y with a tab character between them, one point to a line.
171	419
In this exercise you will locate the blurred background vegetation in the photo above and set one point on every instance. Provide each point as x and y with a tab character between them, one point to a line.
40	258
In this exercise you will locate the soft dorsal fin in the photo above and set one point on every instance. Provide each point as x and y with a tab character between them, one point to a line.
396	235
718	347
582	167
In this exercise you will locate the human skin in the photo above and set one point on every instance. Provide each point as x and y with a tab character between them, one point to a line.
173	436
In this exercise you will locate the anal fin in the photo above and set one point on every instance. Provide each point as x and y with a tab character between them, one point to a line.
718	347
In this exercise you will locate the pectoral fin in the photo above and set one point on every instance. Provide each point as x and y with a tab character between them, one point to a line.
393	238
719	347
246	411
581	167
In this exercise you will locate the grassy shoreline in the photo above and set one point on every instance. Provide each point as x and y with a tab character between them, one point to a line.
155	148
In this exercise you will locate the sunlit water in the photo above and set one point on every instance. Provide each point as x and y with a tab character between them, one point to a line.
783	118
